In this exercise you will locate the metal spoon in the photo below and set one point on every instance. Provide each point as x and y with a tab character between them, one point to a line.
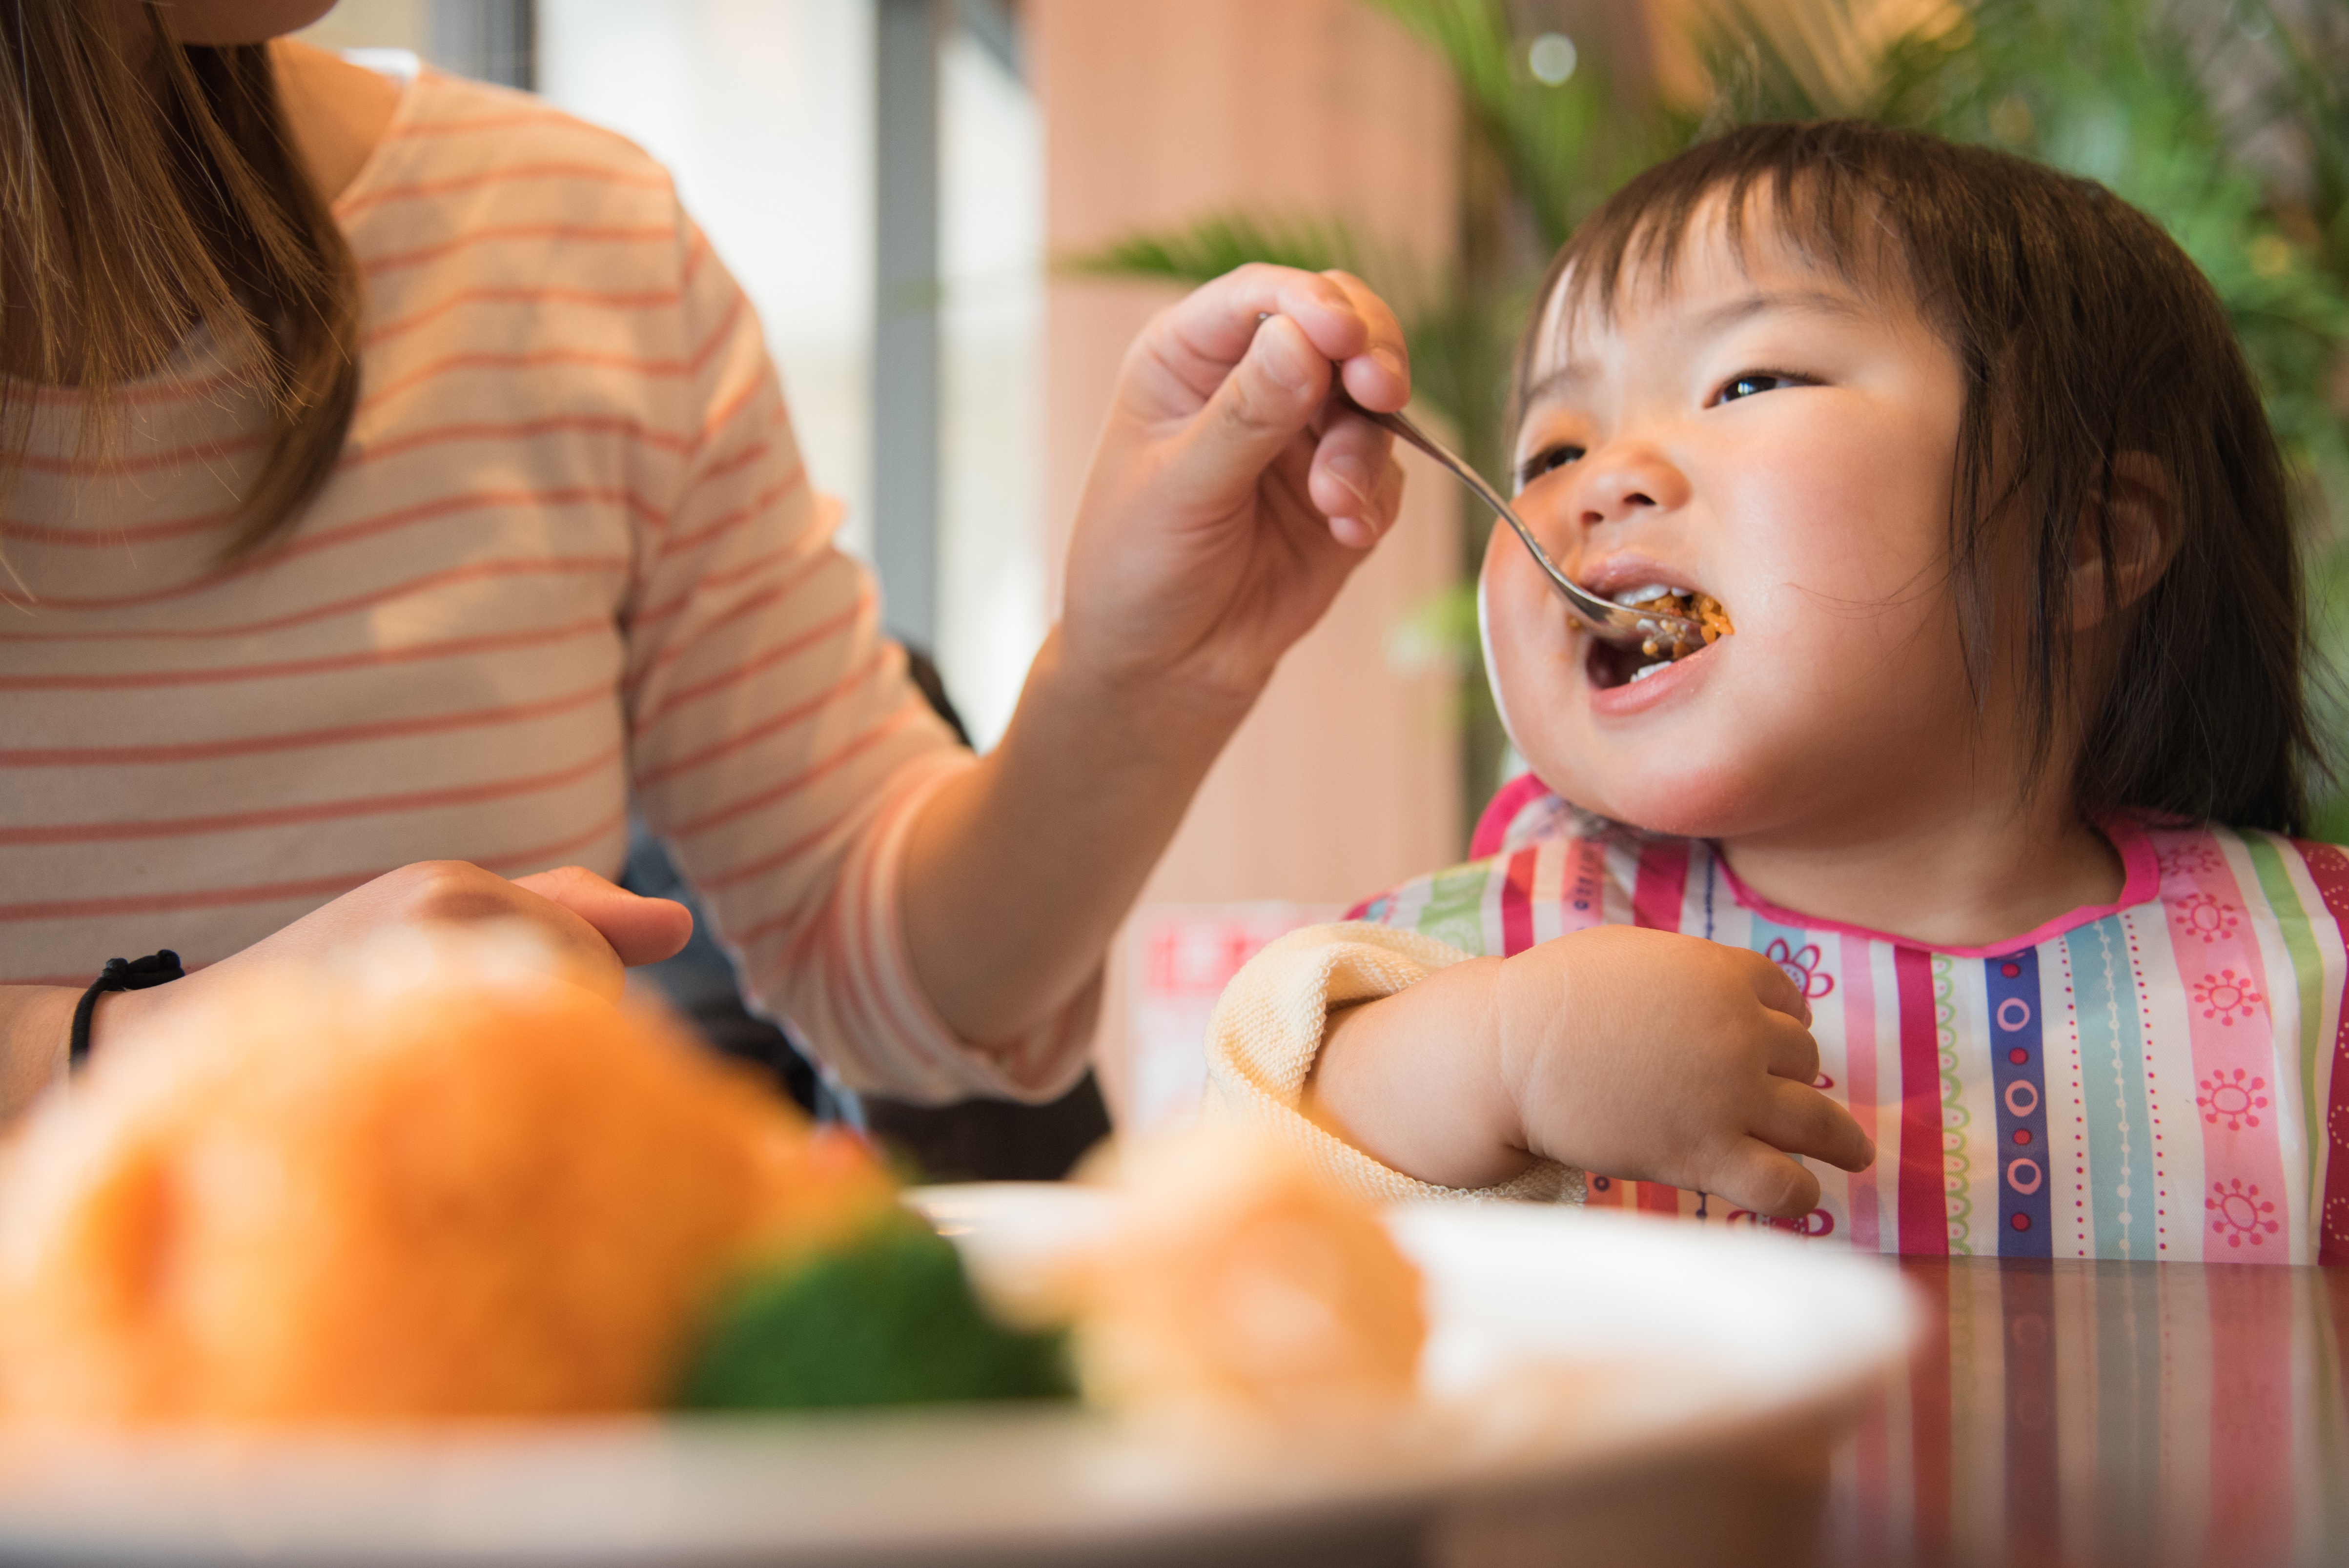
1608	620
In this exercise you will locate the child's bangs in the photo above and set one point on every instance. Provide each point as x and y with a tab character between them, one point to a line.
1792	192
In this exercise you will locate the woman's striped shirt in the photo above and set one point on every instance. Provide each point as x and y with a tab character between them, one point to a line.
568	556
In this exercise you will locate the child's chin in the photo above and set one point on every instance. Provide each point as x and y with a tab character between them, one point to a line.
1689	801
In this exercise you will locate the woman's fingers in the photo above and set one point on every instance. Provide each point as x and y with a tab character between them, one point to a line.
638	930
1202	336
1356	483
1356	479
458	892
1799	1120
592	927
1377	375
1386	508
1258	349
1262	405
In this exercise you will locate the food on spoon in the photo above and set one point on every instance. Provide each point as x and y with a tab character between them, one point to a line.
884	1318
1711	623
1241	1279
444	1183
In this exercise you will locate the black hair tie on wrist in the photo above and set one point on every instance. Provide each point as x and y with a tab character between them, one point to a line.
119	975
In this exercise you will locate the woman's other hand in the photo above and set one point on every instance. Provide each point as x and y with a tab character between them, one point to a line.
595	928
1230	496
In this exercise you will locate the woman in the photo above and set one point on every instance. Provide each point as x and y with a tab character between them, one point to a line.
394	481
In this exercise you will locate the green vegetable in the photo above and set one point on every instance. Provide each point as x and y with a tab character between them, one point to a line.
889	1320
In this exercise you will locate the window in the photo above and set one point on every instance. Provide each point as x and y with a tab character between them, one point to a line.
767	113
762	109
992	611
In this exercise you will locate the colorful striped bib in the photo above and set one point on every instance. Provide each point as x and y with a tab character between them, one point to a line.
2154	1079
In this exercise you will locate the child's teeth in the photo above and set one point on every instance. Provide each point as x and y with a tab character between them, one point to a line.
1641	595
1644	671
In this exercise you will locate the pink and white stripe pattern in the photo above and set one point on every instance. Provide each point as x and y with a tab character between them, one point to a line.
569	553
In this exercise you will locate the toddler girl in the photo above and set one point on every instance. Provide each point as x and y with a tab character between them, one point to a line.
1964	863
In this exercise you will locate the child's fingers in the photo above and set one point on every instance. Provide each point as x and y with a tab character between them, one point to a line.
1776	990
1793	1053
1753	1175
1799	1120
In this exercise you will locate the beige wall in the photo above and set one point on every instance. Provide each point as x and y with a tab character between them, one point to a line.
375	24
1345	777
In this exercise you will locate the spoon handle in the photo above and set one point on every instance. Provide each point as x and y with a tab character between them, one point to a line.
1615	622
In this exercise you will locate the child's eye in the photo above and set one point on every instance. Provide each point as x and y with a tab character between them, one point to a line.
1546	460
1753	381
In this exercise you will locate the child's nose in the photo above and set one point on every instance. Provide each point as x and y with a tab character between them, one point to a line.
1623	482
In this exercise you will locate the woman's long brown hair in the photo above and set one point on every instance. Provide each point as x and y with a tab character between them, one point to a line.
138	207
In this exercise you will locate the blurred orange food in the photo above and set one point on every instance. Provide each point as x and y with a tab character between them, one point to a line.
465	1189
1241	1280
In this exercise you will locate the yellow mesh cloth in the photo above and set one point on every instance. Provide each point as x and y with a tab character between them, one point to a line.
1267	1030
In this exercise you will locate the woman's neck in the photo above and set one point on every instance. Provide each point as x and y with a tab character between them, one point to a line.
1974	877
335	112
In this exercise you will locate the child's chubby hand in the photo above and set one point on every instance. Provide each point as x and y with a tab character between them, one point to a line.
1624	1052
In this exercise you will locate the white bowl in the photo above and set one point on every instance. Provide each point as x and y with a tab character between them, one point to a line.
1564	1345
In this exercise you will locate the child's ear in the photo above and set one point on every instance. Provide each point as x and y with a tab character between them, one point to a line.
2138	522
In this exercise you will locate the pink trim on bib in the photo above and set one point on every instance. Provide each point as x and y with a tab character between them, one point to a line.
1493	827
2141	884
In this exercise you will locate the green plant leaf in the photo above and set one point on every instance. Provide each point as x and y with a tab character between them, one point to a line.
1209	246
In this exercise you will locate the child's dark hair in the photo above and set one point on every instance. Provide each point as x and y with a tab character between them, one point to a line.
2083	331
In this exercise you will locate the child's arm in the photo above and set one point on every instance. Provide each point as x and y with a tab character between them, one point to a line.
1633	1052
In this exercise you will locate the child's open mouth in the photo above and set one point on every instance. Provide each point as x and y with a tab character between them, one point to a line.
1611	665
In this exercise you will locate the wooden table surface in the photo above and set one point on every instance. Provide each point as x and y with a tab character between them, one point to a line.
2056	1414
2089	1413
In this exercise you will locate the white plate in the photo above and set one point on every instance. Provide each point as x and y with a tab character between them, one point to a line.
1561	1341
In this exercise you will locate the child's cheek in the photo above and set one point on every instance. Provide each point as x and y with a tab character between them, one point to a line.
1536	691
1530	665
